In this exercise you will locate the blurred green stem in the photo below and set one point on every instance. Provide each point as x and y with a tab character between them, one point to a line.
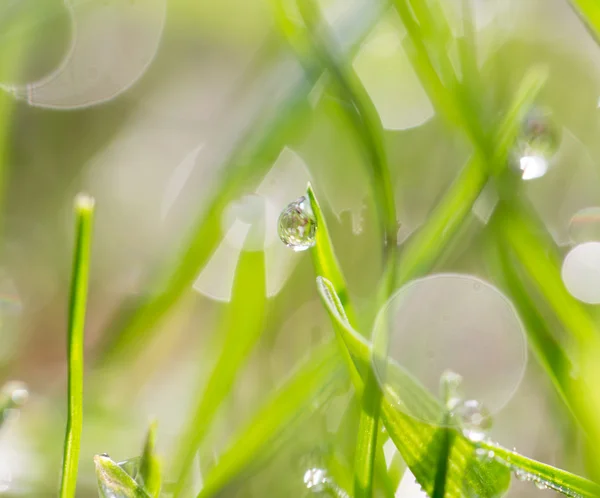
84	212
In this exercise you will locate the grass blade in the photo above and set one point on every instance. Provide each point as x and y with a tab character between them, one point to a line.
114	482
419	443
84	212
443	223
241	327
274	423
149	472
539	473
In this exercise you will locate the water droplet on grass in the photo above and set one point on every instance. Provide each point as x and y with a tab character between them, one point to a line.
131	466
316	480
450	386
297	225
475	420
537	143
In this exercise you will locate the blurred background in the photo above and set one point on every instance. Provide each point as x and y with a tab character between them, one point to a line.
147	105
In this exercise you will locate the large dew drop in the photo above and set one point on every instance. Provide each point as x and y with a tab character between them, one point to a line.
474	419
536	145
297	225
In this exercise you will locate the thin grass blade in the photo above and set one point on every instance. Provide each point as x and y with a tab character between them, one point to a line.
84	215
114	482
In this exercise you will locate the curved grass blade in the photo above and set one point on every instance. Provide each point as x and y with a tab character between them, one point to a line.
114	482
241	327
547	476
420	444
296	400
463	450
84	214
149	476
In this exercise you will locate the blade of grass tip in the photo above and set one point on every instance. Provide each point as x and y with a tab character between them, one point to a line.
264	141
545	475
84	213
423	249
113	481
241	327
149	471
419	443
275	422
367	125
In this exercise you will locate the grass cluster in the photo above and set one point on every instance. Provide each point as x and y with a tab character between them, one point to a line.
516	245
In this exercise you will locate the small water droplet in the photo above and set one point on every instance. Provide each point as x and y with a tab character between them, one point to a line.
540	485
450	387
105	455
316	480
536	145
297	225
521	475
474	419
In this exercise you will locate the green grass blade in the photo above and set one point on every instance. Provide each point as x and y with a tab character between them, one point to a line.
114	482
295	401
443	223
241	327
419	443
552	478
326	265
84	213
149	476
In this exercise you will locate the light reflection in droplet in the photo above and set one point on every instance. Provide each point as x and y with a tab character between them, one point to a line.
449	322
581	272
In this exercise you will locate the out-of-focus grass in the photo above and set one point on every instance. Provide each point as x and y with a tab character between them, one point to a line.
478	113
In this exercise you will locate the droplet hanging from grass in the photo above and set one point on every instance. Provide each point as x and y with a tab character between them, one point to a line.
537	143
316	480
474	419
297	225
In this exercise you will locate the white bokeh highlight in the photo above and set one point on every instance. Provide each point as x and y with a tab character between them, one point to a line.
581	272
113	42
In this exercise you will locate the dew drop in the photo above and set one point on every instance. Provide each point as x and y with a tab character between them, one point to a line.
297	225
131	466
474	419
540	485
450	387
521	475
316	480
537	143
